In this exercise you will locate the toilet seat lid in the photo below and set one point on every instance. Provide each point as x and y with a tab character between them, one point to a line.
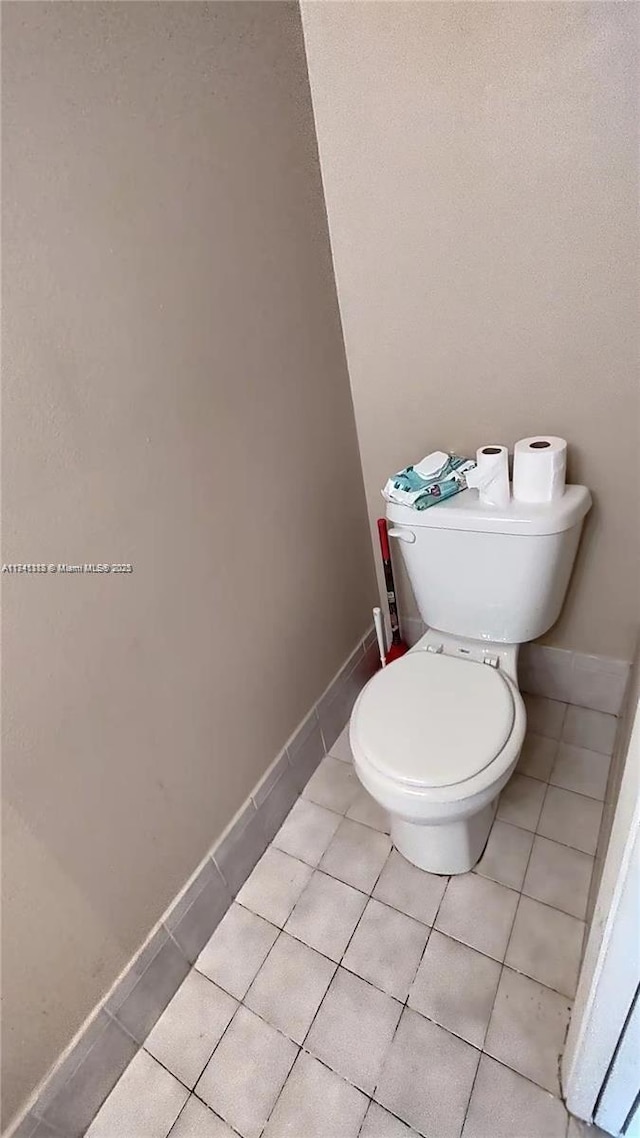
433	720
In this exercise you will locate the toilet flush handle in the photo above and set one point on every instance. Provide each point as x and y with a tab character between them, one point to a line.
403	535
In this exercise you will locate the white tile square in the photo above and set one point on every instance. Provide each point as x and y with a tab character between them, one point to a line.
527	1029
546	945
365	809
380	1124
591	729
427	1077
191	1026
197	1121
386	949
504	1105
290	986
409	889
506	854
248	1069
537	756
353	1029
356	855
334	785
236	950
307	831
146	1102
571	819
581	770
559	876
341	749
456	987
521	801
316	1103
326	915
545	716
478	912
274	886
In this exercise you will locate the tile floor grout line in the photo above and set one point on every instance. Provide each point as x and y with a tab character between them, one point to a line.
524	877
406	1005
180	1112
281	1091
362	978
536	832
215	1115
475	1077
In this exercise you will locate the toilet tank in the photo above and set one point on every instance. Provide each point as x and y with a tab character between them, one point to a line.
486	573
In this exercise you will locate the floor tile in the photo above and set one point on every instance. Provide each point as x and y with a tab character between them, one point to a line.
197	1121
521	801
146	1102
316	1103
592	729
546	945
559	876
527	1029
545	716
236	950
290	986
506	854
365	809
537	756
246	1073
427	1077
581	770
504	1104
571	819
353	1029
409	889
478	912
456	987
380	1124
356	855
307	831
190	1028
326	915
334	785
386	949
274	886
341	749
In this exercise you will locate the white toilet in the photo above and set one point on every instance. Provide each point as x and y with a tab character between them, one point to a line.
437	734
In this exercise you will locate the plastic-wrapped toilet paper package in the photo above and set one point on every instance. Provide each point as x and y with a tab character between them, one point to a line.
539	468
491	476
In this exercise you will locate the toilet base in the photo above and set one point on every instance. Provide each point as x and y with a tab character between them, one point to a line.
453	847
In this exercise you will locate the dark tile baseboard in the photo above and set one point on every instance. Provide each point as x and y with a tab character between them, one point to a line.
68	1100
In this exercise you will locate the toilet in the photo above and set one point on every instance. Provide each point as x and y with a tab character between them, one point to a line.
436	735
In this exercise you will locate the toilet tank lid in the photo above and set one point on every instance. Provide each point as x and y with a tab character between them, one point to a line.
465	512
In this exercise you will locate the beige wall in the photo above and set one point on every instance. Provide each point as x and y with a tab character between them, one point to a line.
176	396
480	171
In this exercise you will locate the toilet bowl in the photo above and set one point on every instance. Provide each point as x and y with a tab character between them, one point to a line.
435	736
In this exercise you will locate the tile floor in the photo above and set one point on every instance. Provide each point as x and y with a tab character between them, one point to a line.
347	994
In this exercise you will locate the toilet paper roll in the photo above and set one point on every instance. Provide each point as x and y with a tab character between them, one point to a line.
491	476
539	468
